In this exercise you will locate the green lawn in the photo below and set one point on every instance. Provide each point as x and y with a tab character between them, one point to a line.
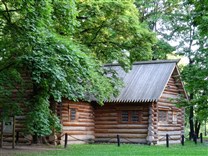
190	149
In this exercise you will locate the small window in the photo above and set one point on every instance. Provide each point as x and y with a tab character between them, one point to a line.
8	125
130	116
162	116
124	116
175	114
72	114
134	116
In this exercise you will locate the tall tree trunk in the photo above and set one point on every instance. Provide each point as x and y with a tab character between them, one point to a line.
191	122
197	127
191	118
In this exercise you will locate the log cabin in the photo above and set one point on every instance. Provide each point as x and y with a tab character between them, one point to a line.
143	112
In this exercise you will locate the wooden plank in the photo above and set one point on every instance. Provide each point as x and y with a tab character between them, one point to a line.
107	125
122	140
110	135
122	131
123	126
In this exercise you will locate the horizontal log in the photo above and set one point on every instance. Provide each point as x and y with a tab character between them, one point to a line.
171	86
171	92
78	124
132	131
79	132
122	140
169	128
77	128
105	122
122	126
86	120
168	101
172	96
145	118
172	133
128	108
111	135
106	118
85	113
99	114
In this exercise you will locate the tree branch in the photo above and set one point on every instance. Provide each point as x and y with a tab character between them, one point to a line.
8	18
96	34
2	11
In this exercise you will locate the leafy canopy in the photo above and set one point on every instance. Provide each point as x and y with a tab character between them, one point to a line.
61	45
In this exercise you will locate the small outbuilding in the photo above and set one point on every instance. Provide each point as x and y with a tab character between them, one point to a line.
144	111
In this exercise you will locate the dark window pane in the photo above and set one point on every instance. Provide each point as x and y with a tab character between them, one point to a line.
124	116
73	114
135	116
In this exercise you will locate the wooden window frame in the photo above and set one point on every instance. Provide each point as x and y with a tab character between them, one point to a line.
130	112
70	115
174	116
166	118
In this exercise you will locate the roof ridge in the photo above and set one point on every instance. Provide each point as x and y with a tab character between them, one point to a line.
147	62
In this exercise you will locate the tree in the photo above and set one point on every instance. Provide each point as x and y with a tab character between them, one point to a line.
110	28
183	22
200	20
61	47
192	45
155	15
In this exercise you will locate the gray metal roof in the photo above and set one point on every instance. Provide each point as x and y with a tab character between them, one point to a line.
145	82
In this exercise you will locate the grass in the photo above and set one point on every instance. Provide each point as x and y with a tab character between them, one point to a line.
190	149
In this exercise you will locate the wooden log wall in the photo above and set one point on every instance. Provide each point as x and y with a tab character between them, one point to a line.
19	128
80	130
153	124
108	124
20	120
174	124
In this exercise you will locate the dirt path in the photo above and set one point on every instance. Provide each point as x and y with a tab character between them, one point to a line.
8	151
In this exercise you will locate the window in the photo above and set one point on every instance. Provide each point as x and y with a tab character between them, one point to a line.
134	116
162	116
175	114
8	125
124	116
130	116
73	114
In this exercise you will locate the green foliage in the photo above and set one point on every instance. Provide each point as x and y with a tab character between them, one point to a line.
200	15
62	45
161	49
184	23
11	93
156	15
111	28
198	86
38	117
64	16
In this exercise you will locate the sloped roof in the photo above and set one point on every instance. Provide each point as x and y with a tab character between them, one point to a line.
145	82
